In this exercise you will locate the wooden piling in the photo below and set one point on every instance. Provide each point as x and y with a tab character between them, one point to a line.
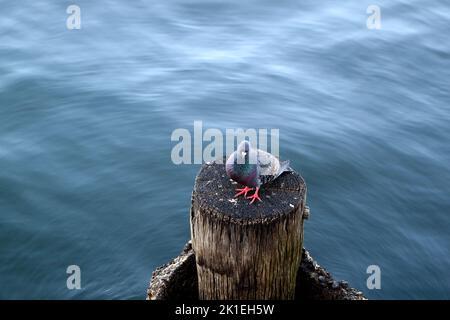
247	251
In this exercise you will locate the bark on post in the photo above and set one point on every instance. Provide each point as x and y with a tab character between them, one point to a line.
247	251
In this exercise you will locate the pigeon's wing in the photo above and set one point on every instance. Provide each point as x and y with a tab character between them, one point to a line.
268	165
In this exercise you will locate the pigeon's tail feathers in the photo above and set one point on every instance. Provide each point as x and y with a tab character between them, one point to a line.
285	166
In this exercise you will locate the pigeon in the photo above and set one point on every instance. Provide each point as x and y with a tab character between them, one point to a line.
253	168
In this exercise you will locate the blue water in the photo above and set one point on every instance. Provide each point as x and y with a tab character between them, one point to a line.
86	117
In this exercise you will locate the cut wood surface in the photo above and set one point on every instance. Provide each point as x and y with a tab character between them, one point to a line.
242	250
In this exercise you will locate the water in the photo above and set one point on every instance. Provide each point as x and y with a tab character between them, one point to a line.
86	118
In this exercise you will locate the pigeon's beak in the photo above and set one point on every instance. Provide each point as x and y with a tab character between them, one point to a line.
243	153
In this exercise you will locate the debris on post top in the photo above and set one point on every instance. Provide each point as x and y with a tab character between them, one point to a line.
243	250
214	189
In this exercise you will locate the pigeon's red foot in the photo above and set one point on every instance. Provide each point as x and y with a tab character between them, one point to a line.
243	191
255	196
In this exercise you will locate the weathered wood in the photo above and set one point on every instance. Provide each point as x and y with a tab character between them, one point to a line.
177	281
247	251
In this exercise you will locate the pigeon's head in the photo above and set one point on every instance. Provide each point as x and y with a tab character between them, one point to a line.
243	148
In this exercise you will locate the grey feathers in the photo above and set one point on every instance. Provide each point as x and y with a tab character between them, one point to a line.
254	167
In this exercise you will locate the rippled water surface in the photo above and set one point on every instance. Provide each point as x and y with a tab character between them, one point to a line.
86	116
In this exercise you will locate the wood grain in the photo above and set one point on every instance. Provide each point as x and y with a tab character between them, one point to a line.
247	251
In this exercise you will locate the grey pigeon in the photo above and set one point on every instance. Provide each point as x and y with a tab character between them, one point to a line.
253	168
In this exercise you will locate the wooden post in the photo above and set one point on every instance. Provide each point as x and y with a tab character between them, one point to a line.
247	251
